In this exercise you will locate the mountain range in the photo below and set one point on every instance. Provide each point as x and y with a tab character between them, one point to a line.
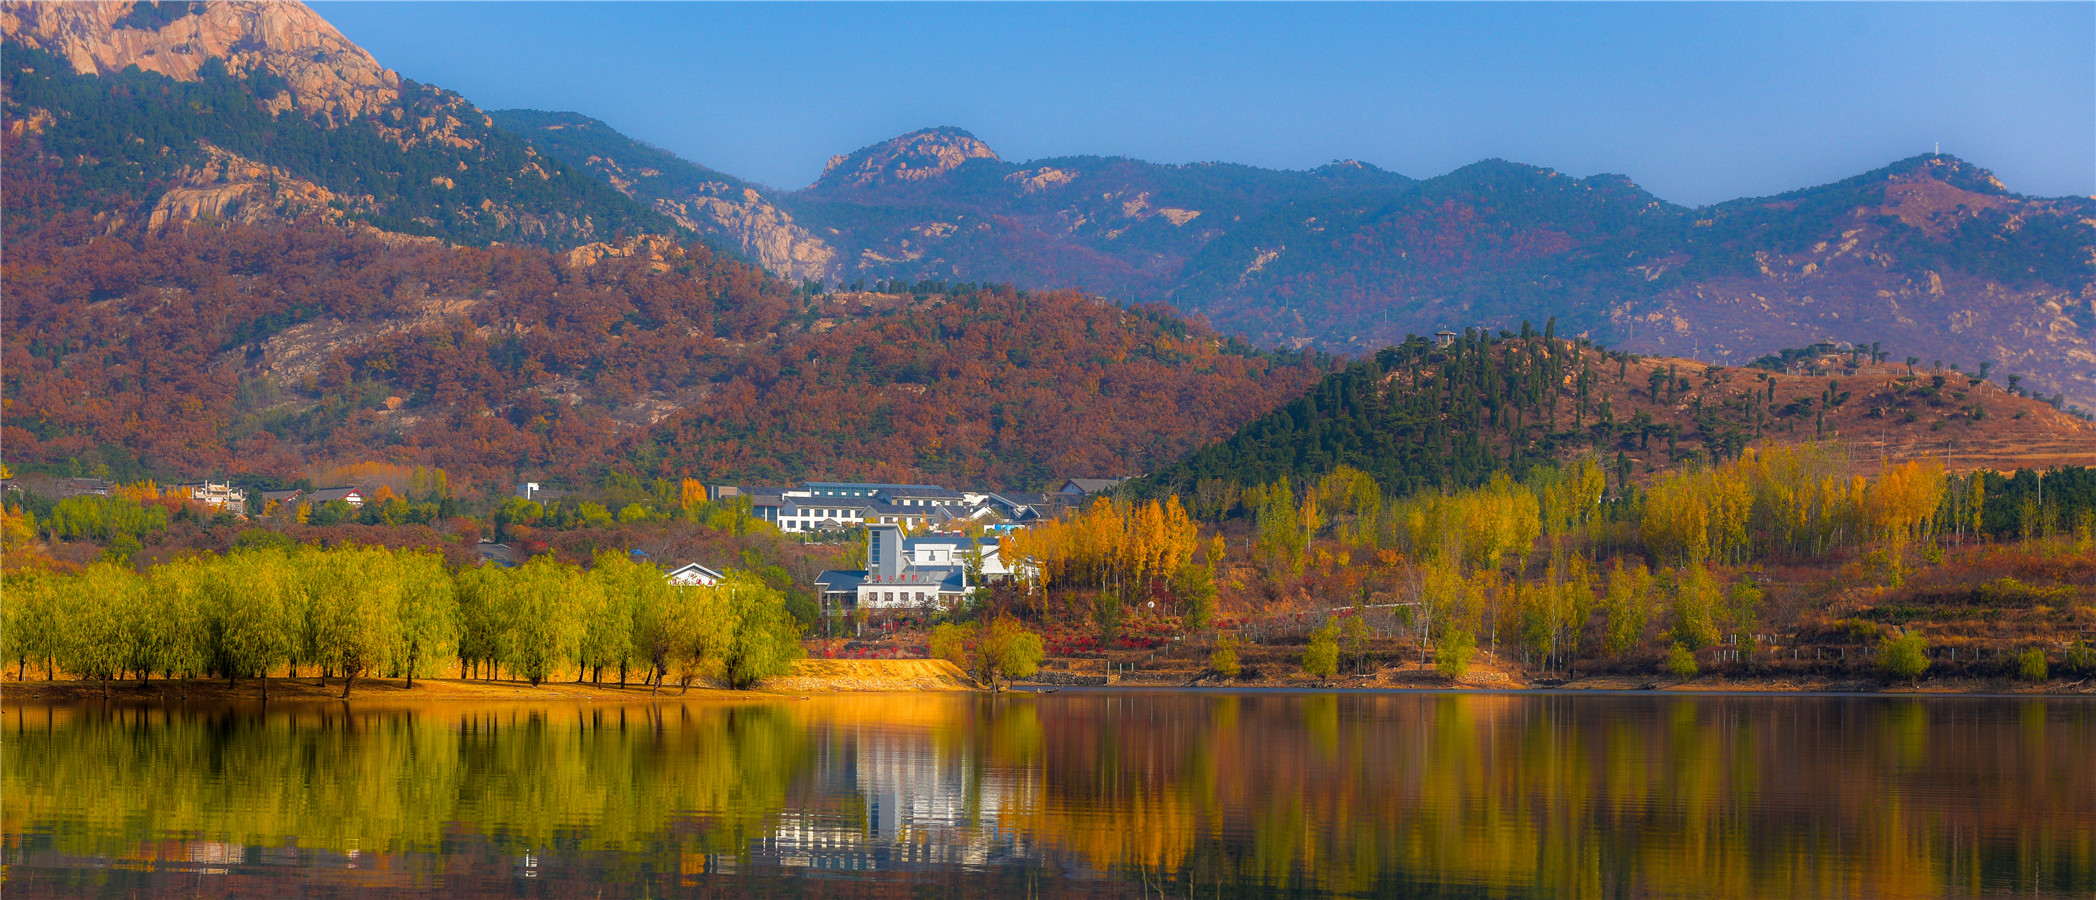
1932	256
237	242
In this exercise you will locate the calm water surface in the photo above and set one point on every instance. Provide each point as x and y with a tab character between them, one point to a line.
1104	794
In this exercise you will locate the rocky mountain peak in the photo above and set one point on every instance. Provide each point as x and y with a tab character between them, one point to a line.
328	76
917	156
1950	170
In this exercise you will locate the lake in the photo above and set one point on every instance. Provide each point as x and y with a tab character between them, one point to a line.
1080	793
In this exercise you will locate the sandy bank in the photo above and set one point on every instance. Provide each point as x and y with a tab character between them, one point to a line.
819	676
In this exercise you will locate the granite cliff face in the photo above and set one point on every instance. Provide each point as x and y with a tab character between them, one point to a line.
763	232
731	211
326	75
153	114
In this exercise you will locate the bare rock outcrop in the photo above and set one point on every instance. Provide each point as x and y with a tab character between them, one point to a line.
330	78
916	156
229	187
1033	181
757	228
654	248
763	232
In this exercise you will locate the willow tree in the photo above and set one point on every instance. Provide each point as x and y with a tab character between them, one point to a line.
1320	657
995	652
179	595
606	614
255	601
429	613
31	621
354	604
98	603
763	639
539	617
644	597
690	636
481	594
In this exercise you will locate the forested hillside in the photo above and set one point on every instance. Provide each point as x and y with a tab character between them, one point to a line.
1425	415
268	349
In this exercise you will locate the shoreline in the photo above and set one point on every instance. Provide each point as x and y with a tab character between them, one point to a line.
1490	677
1411	678
381	693
1976	692
809	676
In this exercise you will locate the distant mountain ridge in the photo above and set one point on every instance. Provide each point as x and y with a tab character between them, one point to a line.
1931	255
146	116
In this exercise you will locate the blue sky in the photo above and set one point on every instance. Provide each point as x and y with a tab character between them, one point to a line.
1696	102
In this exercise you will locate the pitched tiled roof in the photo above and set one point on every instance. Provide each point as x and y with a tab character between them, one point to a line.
841	580
1092	485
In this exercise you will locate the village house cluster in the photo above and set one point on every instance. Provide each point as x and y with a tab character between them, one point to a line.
816	506
957	551
927	546
217	496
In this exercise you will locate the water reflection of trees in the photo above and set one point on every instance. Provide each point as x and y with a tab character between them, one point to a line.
1573	796
1352	794
698	779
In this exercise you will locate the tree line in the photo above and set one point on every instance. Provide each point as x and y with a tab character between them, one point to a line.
350	611
1560	567
1120	553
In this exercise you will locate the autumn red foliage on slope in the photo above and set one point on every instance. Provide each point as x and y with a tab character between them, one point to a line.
208	349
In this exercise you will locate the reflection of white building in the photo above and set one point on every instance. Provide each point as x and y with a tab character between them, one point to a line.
930	811
915	807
